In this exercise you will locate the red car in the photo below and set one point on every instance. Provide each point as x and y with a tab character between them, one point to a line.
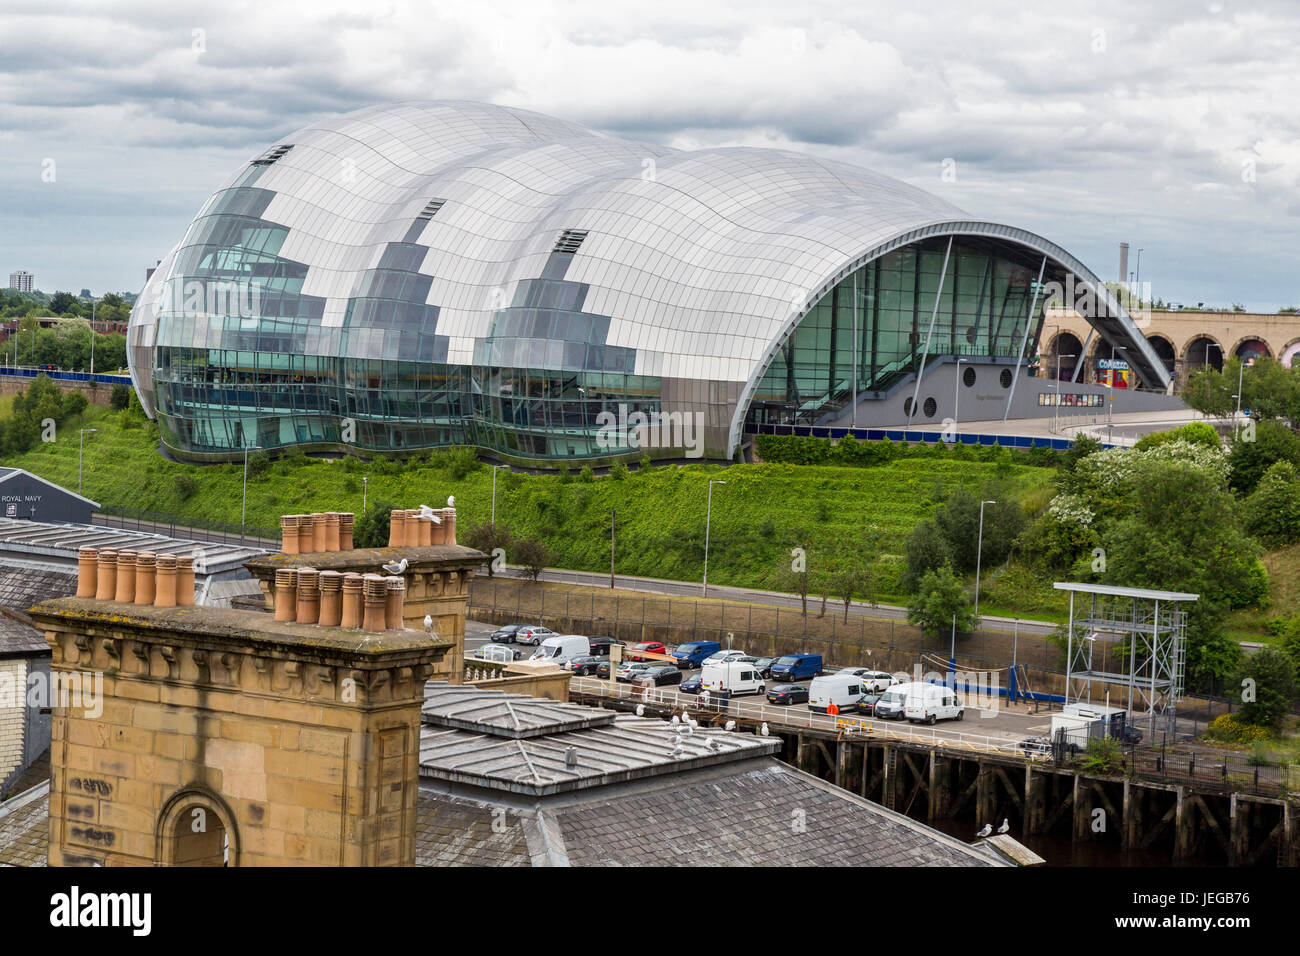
654	647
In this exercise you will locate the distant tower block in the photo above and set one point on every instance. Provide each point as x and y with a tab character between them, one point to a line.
225	737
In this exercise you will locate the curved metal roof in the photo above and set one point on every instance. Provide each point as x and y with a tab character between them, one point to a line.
703	259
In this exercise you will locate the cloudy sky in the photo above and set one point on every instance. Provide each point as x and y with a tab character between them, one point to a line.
1172	127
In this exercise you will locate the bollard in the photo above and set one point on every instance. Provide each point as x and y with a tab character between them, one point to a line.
87	571
144	576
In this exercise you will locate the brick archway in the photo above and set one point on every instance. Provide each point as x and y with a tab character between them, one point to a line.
196	828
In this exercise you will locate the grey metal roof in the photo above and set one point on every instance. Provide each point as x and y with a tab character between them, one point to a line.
60	542
1112	590
500	714
628	748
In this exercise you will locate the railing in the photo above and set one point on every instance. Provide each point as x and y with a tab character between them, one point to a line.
59	375
787	720
175	526
910	436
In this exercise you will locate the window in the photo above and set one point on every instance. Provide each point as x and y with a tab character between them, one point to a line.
968	376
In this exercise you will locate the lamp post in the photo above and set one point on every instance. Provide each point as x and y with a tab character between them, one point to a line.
979	553
365	483
494	493
708	516
81	448
243	507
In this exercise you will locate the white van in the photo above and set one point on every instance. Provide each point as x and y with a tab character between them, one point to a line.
562	648
732	677
931	702
843	689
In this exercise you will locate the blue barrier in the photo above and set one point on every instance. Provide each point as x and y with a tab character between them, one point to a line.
61	376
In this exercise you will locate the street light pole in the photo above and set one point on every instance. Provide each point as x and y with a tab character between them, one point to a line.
956	395
365	486
243	508
81	448
708	516
979	554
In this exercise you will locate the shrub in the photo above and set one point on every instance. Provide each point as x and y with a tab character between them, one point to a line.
586	474
258	462
119	397
371	528
618	471
1231	729
186	486
1103	757
1272	512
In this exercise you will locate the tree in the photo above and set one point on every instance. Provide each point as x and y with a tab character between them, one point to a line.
1269	676
850	582
61	302
371	529
1272	512
487	537
1208	391
532	556
939	599
120	397
1251	456
927	550
958	520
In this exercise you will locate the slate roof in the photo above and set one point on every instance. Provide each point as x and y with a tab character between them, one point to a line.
22	585
25	828
18	637
452	832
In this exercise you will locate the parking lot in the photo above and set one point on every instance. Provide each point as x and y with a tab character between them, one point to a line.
1007	722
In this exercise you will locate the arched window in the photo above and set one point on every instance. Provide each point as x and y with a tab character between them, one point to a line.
196	828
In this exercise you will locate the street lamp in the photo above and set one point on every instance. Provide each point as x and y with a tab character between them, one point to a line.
365	487
979	553
243	508
81	447
708	515
494	491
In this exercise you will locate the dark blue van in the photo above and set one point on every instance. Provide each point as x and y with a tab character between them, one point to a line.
692	653
797	666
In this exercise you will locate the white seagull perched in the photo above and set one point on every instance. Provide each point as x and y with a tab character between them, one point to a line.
451	501
986	830
397	567
763	730
428	624
1005	826
730	725
640	710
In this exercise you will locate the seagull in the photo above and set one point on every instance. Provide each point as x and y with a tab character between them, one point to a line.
1005	826
640	710
451	501
675	721
397	567
427	512
689	728
763	730
986	830
677	751
428	624
730	725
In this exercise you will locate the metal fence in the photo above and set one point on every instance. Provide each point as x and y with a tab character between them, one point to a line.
1207	768
174	526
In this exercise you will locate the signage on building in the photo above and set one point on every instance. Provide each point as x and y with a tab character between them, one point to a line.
1115	365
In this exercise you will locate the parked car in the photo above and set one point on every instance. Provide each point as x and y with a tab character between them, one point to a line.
692	653
1036	745
867	705
787	694
561	648
533	634
601	645
628	669
506	635
692	685
875	681
584	664
660	674
652	647
602	669
794	667
496	652
764	666
717	657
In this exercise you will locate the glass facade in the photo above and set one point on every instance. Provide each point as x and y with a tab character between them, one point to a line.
418	275
874	323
